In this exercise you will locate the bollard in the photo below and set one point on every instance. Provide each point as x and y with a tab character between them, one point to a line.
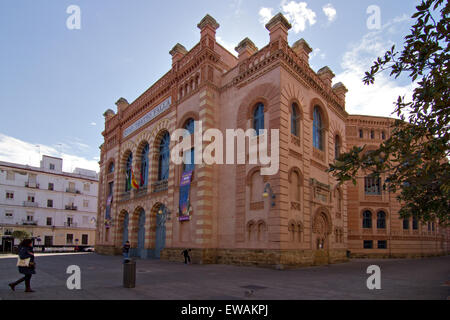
129	274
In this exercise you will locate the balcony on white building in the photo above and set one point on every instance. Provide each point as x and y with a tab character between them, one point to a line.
71	190
33	185
71	207
70	224
30	204
29	222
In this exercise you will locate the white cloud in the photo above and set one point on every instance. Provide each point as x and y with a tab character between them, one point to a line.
317	53
376	99
93	124
265	14
227	45
330	12
18	151
298	14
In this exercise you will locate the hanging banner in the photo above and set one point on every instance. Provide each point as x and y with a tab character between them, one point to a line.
185	206
108	211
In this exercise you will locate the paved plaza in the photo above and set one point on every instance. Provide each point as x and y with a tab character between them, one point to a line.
101	278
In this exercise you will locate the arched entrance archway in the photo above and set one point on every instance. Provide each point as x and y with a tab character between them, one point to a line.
141	252
161	212
320	241
126	221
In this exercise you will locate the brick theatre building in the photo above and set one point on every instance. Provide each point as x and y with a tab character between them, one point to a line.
232	213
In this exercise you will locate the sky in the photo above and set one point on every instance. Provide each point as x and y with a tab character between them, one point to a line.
56	81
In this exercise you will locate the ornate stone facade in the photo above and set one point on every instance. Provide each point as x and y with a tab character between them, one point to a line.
310	220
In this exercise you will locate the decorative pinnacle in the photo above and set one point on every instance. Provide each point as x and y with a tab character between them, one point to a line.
208	20
278	18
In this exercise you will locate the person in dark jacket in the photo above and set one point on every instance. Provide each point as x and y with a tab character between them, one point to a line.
187	258
25	252
126	251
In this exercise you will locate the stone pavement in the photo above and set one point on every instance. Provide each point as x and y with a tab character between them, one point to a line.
101	278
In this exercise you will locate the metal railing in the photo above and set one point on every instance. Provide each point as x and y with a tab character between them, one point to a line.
29	222
71	207
69	190
70	224
30	204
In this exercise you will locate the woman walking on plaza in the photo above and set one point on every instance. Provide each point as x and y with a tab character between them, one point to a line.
26	265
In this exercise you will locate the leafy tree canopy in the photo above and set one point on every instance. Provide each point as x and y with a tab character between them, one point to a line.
415	158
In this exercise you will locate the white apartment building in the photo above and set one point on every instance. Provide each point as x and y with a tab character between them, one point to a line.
57	208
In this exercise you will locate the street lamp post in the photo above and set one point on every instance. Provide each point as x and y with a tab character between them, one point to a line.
268	191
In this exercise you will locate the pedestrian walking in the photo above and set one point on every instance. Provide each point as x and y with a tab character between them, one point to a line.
126	251
26	265
187	258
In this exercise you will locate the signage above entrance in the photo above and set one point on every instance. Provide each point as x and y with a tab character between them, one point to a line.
160	108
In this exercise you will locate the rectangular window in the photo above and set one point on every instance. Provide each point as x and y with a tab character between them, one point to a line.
9	195
30	198
10	175
30	217
49	203
405	224
372	185
9	214
382	244
361	135
415	223
87	187
69	238
86	203
52	166
51	186
368	244
69	221
49	221
84	239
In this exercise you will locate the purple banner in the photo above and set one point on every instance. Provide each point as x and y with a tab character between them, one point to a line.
185	206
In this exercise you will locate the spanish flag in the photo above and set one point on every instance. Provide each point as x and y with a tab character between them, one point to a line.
134	183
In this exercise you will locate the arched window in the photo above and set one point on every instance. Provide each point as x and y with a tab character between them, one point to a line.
188	161
189	125
128	166
381	220
144	166
361	135
295	120
339	199
372	134
317	129
258	118
164	157
111	167
383	135
367	219
337	147
295	186
256	187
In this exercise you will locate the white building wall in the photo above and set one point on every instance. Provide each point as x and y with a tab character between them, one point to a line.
83	196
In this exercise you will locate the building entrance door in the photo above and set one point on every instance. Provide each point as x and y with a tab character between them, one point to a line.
48	241
141	236
160	234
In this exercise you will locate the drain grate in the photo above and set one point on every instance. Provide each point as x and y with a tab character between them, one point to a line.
143	271
253	287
